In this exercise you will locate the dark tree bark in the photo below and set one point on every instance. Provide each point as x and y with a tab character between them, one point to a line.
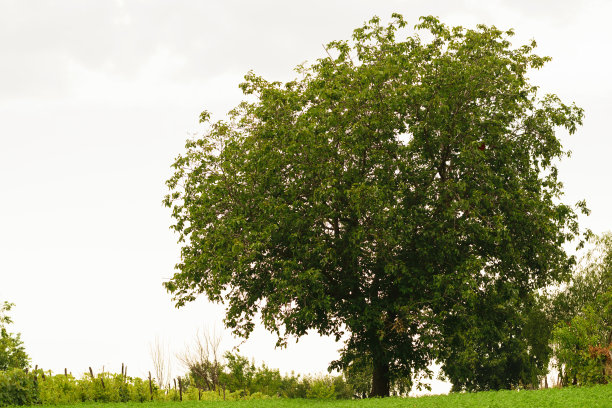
380	379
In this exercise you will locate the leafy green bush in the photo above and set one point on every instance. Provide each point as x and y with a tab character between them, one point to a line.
342	389
322	388
243	379
59	389
238	373
18	388
106	387
583	345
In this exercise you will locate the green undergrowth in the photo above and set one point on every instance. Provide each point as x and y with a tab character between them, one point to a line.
599	396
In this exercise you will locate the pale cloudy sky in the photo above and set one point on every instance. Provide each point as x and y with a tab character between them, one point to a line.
98	97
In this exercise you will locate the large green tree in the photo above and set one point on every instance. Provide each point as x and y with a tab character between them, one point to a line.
377	194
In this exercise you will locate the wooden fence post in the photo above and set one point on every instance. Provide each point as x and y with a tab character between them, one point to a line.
224	392
180	389
93	377
66	372
150	386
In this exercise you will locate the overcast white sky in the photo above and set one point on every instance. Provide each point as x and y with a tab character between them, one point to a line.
98	97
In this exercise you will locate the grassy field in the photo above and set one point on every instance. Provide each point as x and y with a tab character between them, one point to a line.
587	397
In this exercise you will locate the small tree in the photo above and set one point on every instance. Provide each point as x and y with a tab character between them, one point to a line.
584	344
203	360
162	365
12	351
583	336
267	380
239	372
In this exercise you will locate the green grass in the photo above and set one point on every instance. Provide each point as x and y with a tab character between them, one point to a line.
585	397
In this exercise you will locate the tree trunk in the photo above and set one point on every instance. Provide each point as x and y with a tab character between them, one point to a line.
380	379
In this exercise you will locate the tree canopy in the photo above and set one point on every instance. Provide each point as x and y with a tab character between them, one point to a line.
394	185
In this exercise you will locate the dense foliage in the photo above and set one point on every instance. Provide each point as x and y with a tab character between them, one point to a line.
503	343
18	388
106	387
12	351
389	194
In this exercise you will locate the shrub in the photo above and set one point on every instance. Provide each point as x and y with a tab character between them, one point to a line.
321	388
583	344
59	389
18	388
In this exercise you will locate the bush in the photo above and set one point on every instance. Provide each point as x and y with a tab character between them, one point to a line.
59	389
322	388
106	387
583	344
243	380
18	388
582	338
